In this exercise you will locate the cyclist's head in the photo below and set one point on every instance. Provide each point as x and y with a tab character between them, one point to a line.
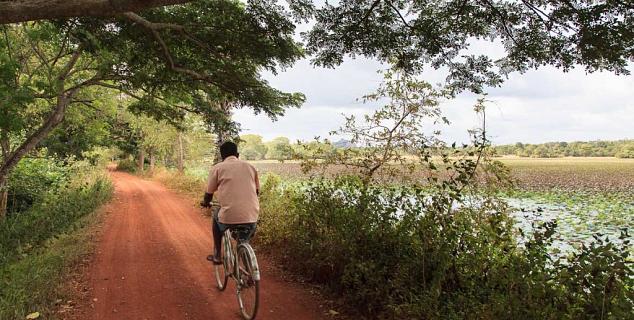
228	149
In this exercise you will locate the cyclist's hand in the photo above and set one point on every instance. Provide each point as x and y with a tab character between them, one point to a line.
206	203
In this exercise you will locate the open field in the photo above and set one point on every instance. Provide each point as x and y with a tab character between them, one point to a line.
530	174
591	174
584	195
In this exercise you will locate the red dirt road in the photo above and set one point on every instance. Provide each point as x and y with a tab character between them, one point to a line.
150	264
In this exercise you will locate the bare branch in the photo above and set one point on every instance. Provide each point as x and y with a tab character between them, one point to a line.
70	64
61	50
152	25
111	86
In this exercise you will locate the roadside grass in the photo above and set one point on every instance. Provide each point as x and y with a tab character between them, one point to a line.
190	184
41	246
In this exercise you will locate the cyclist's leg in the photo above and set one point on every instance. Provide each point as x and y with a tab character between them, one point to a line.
218	230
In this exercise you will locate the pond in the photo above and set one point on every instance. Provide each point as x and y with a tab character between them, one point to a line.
577	220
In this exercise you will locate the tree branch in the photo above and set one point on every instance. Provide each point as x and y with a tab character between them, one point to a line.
111	86
503	21
64	98
153	27
53	120
400	15
29	10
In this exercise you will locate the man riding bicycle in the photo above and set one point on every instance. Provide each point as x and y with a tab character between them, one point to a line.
237	186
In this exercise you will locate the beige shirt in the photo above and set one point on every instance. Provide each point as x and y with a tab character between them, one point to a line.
234	183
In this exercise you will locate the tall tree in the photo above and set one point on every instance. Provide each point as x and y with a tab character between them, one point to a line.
279	149
252	147
159	58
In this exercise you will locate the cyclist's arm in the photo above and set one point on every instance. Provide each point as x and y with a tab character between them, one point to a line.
257	183
207	200
212	186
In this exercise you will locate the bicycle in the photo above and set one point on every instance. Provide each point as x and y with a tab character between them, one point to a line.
240	263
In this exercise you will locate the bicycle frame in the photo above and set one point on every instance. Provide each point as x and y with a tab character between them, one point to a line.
247	278
231	255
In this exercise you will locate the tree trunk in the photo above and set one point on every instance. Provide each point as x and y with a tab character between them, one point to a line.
4	189
53	120
141	160
10	160
221	133
152	161
219	141
4	197
181	165
28	10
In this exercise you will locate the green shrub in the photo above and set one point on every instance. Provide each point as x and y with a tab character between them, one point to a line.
192	185
408	253
34	282
37	246
127	165
55	213
31	181
276	202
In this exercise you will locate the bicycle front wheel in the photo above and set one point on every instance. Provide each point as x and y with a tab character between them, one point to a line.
248	282
221	276
223	270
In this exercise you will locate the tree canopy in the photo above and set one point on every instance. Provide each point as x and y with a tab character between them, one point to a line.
207	56
597	35
163	58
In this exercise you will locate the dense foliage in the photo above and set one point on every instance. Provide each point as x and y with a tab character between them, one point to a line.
40	243
596	35
400	253
32	180
164	59
54	205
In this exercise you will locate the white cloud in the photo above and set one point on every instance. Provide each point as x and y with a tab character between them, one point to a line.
538	106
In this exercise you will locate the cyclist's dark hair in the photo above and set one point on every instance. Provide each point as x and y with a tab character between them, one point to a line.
228	149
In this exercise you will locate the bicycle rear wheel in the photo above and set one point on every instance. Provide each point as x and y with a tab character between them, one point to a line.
248	279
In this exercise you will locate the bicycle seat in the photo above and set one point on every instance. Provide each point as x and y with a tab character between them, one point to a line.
241	232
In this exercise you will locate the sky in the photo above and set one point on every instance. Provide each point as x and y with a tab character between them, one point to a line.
538	106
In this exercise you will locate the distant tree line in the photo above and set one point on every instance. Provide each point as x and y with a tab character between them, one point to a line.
253	147
619	149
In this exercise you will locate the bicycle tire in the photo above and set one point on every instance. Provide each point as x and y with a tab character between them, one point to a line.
222	277
222	270
248	282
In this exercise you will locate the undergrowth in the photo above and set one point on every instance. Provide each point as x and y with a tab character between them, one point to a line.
38	246
401	253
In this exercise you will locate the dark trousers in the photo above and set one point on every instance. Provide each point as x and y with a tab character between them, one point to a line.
219	228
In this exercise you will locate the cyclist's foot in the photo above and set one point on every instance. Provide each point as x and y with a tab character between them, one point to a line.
214	259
